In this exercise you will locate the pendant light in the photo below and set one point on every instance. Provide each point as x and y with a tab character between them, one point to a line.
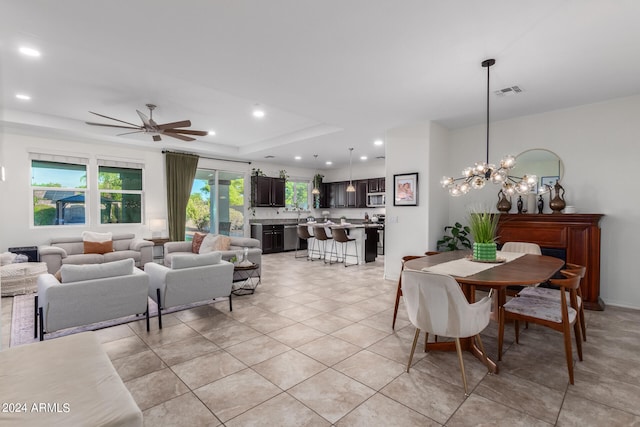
350	187
315	190
477	175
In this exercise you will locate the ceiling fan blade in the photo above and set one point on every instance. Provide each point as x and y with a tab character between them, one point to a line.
157	138
129	133
187	132
113	126
111	118
178	136
181	124
144	119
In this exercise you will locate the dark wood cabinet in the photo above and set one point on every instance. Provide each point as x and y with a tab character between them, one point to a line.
267	191
376	185
576	236
339	195
272	238
334	194
361	193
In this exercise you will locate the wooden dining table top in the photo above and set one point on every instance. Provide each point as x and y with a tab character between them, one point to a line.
526	270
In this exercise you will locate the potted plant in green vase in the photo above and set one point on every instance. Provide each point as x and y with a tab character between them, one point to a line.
484	226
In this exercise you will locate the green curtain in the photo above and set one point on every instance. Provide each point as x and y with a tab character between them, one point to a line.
180	171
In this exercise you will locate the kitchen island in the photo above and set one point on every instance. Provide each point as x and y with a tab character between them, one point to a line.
366	236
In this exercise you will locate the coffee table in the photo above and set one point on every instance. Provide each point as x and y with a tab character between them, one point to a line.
21	277
247	281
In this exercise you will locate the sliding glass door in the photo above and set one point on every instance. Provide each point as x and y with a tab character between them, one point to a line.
216	204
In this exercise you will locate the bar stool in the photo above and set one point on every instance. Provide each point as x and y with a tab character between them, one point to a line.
303	234
320	235
340	236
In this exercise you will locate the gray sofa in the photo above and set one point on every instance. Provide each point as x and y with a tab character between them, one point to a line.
70	250
191	278
237	246
90	294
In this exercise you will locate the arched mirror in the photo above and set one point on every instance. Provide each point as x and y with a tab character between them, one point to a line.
545	164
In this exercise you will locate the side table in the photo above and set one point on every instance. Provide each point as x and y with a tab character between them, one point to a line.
248	279
158	241
21	277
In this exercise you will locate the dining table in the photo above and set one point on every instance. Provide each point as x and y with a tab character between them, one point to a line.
509	269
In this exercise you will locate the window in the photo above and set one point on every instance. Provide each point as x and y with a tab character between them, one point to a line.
120	192
297	195
59	191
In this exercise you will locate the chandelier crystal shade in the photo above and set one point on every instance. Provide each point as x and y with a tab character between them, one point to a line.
476	176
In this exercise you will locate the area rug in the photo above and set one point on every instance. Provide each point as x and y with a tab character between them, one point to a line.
23	310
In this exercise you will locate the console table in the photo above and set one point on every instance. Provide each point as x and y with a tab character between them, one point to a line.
578	235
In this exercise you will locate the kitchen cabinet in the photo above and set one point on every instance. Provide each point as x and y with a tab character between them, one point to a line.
271	237
267	191
358	199
377	185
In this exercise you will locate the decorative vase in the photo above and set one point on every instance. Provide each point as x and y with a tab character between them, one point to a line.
540	204
245	254
520	203
557	203
484	251
504	205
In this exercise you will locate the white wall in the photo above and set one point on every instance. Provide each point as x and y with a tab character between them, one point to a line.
598	144
16	227
407	227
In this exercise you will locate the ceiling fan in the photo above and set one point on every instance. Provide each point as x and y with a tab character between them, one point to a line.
151	127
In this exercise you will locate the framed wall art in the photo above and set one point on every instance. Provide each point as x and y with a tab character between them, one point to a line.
405	189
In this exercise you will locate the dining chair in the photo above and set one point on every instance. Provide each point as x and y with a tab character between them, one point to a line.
340	236
557	315
436	304
554	294
399	291
321	237
523	248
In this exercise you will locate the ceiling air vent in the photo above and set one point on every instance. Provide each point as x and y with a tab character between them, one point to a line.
269	157
380	157
512	90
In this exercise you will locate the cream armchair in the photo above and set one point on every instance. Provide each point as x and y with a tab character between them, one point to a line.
190	278
89	294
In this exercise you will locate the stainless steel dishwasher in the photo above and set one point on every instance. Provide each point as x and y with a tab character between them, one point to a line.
290	237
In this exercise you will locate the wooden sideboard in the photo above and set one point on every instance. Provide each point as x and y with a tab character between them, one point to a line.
577	234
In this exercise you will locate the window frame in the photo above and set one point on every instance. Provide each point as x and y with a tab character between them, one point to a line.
296	182
110	165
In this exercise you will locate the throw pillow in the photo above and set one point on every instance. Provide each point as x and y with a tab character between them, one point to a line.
197	242
92	236
58	275
223	243
208	243
180	261
98	247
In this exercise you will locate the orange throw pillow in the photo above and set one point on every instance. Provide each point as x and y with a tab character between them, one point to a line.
98	247
196	242
223	243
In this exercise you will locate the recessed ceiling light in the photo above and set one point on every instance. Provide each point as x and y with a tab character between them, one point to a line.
258	113
23	96
328	162
211	132
29	52
297	157
378	142
363	157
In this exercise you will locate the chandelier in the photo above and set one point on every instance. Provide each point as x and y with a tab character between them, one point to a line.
476	176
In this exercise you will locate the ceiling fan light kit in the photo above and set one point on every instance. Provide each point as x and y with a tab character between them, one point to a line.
152	128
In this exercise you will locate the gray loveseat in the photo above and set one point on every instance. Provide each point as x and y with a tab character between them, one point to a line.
237	246
70	250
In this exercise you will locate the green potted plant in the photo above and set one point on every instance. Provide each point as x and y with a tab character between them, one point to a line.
483	227
455	238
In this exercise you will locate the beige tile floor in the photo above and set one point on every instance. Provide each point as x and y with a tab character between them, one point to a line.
314	346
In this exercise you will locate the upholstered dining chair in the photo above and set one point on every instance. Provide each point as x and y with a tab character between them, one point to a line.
554	294
559	316
399	291
340	236
523	248
436	304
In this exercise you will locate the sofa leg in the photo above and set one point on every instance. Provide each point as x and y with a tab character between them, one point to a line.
230	305
35	317
40	314
159	309
147	315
